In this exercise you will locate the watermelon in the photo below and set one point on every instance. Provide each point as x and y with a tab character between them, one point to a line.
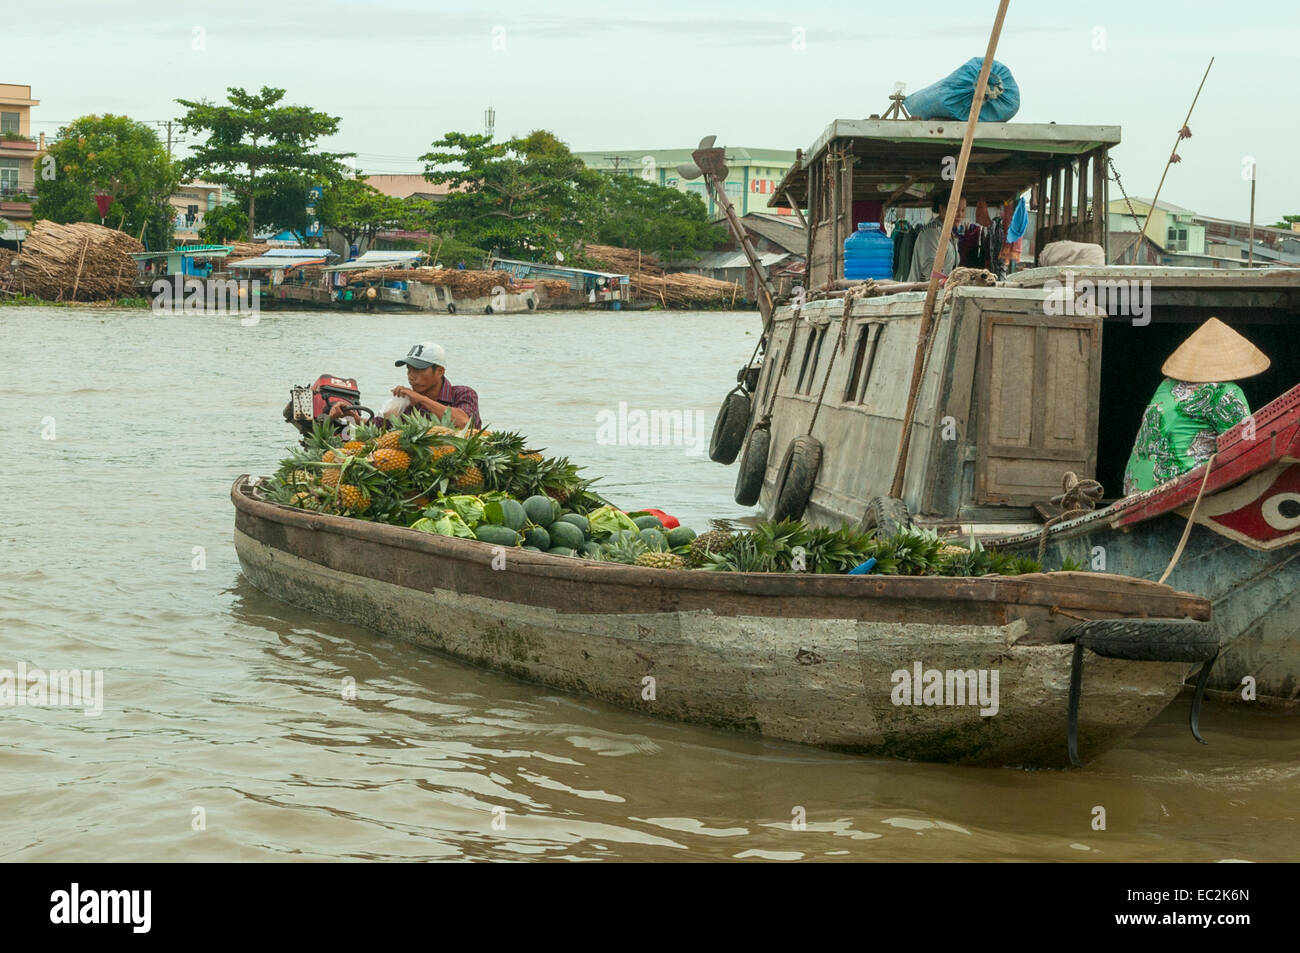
565	534
680	536
561	551
653	538
648	522
533	549
537	538
512	513
590	549
540	510
496	535
578	520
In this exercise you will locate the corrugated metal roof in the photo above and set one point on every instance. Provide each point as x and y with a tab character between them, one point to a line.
280	261
734	259
298	253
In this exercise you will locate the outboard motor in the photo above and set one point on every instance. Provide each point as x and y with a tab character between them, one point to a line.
308	404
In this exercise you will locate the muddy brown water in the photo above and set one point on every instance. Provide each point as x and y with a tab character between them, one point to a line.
222	707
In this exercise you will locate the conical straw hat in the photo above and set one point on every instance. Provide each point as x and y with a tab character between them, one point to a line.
1215	353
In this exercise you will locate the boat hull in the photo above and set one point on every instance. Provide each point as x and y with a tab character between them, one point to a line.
813	660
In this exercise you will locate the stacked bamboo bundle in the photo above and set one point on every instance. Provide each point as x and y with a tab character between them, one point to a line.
242	250
623	261
464	283
683	290
77	262
554	287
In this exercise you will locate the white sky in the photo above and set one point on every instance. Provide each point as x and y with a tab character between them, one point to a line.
661	75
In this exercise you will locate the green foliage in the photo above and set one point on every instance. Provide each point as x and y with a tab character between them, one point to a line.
118	156
223	224
264	152
357	210
628	211
1287	222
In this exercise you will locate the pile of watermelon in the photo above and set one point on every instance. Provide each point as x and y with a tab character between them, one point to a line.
540	524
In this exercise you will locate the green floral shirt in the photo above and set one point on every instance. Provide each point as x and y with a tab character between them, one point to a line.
1180	429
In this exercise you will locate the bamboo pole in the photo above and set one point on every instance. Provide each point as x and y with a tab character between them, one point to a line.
1250	263
1147	221
85	243
949	218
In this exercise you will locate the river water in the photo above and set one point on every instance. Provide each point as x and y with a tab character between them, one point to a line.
223	735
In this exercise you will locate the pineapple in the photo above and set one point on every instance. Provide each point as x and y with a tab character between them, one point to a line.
352	497
390	460
470	481
536	457
329	477
331	457
706	544
438	430
301	476
353	447
441	451
660	561
388	440
624	549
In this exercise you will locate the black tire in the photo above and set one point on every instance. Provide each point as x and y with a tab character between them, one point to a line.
729	429
1147	640
532	304
488	310
885	516
451	307
753	466
797	477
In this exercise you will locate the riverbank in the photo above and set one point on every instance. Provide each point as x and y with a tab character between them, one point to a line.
16	300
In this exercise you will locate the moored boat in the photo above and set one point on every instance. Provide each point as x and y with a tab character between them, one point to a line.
842	662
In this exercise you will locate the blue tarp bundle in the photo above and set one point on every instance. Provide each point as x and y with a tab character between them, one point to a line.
951	97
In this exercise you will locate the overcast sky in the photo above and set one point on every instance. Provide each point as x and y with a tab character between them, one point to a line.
660	75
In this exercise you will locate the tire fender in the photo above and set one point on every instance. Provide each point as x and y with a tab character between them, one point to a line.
885	516
729	429
753	466
796	478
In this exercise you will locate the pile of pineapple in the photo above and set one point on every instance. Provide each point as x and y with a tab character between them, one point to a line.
393	475
492	487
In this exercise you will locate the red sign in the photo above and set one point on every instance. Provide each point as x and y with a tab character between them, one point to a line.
103	200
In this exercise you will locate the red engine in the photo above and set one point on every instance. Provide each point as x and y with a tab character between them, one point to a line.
309	404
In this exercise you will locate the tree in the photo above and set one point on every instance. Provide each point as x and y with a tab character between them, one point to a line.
223	224
520	196
1287	222
256	148
358	211
118	156
631	212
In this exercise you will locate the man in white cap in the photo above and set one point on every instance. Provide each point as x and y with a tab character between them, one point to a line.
430	392
1193	405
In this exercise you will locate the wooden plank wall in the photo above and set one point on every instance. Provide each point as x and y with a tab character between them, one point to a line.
1072	202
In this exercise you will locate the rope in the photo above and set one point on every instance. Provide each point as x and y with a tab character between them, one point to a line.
850	297
1187	530
1076	498
1128	202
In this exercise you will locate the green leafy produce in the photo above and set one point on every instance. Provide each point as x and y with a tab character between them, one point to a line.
448	524
607	520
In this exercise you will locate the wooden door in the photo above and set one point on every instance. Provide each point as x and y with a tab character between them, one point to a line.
1037	398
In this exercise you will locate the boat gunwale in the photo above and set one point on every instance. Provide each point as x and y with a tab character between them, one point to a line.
1086	591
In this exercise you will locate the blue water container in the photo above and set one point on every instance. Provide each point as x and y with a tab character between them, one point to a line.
868	253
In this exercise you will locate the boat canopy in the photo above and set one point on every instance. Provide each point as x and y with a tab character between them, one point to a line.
898	162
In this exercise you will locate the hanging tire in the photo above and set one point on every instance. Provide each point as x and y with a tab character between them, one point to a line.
1147	640
729	429
797	477
885	516
488	310
451	307
753	466
532	304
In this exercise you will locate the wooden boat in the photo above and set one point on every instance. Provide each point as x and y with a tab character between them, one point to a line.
1024	380
814	659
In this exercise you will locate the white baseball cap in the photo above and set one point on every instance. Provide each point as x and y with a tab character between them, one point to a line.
424	355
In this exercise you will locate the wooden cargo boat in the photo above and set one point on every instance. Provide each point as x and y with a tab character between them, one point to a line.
813	659
1022	381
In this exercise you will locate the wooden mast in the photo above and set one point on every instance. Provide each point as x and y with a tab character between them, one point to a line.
949	219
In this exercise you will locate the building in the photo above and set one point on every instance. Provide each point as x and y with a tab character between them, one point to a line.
190	206
19	151
408	186
780	242
1170	226
754	173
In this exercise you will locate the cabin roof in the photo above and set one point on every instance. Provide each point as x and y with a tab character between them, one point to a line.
892	154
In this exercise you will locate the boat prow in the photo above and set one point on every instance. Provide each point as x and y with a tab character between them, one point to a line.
971	670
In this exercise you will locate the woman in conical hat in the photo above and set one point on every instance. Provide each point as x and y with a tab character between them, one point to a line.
1195	403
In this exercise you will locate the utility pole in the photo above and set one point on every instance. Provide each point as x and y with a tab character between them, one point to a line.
1250	262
